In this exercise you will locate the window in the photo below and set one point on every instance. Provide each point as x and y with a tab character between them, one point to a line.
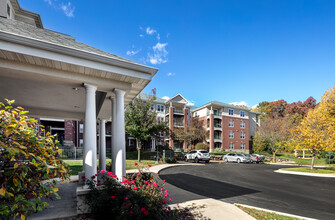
242	113
231	134
230	111
242	146
160	108
152	107
242	136
231	146
81	128
242	124
81	142
231	123
257	118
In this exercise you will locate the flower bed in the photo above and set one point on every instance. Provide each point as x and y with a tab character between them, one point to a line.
139	196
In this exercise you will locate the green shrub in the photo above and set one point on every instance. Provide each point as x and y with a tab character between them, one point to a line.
201	146
219	151
26	160
139	196
330	158
170	160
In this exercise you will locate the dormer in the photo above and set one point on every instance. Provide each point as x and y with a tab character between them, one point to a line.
11	9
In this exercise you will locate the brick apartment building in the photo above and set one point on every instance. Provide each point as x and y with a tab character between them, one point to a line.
230	127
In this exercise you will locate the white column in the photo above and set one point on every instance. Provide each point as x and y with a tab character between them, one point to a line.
119	157
102	150
90	134
113	133
153	144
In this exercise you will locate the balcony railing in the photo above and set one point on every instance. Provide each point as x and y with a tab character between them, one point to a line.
217	137
217	126
178	123
215	113
175	110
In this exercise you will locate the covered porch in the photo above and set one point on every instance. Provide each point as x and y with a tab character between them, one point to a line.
51	75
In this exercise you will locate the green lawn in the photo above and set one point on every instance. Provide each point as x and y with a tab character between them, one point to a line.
260	215
77	165
327	170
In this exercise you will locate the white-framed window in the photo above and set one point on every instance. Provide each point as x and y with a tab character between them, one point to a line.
242	124
242	146
230	111
81	142
242	113
231	146
160	108
231	123
81	128
231	134
152	107
160	119
242	136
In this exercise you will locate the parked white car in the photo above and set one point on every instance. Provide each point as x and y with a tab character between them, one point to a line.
198	155
234	157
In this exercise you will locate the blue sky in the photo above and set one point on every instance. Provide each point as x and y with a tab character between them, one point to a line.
224	50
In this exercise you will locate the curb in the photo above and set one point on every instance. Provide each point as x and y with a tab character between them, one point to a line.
279	213
305	174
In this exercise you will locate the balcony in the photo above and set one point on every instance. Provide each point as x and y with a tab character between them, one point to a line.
176	111
178	124
216	127
217	114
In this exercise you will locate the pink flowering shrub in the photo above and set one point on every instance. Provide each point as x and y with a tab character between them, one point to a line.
139	196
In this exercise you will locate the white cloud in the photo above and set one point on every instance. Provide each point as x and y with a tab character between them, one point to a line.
49	2
141	35
239	103
190	103
132	52
165	97
158	37
68	9
159	54
171	74
254	106
150	31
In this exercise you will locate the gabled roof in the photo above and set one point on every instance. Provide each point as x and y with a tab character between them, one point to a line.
20	11
177	98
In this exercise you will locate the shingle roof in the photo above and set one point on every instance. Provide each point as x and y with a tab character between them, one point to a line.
144	96
29	31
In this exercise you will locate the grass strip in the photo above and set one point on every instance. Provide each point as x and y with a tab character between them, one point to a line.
322	170
77	165
260	214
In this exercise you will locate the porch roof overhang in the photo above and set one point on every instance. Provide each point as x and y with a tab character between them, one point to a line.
46	76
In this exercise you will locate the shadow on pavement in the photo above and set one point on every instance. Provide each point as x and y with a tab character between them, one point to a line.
206	187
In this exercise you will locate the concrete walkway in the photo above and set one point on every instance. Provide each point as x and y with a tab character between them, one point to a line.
66	206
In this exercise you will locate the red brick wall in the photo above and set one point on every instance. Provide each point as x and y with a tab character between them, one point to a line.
69	130
237	132
211	132
171	127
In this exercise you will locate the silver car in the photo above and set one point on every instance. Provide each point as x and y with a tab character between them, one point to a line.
198	155
234	157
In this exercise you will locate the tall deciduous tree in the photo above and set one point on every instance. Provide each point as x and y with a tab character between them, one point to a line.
141	122
195	132
274	133
317	129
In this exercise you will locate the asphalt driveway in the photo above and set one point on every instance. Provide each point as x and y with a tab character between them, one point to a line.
255	185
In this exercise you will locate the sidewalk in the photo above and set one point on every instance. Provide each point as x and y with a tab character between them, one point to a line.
66	207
